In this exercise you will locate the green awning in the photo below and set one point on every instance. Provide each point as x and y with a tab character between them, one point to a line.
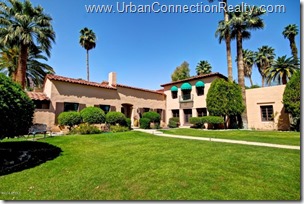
174	89
200	84
186	86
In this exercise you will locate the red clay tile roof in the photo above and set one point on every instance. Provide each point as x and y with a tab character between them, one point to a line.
78	81
131	87
38	96
196	77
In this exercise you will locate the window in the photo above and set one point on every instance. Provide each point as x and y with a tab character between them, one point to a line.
175	113
146	110
105	108
42	104
267	113
71	107
186	95
200	91
201	112
174	94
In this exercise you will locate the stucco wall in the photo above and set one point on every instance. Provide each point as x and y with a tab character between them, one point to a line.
198	101
60	92
266	96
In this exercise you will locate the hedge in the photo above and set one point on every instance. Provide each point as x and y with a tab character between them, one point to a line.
154	117
200	121
69	119
144	123
93	115
115	117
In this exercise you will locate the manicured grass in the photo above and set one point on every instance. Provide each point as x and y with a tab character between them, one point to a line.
274	137
139	166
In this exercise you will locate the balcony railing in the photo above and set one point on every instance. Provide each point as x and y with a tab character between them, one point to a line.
186	98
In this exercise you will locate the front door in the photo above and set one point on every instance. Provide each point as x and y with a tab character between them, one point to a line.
187	116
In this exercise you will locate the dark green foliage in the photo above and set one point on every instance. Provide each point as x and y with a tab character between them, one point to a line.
85	129
16	109
144	123
69	119
118	128
197	122
173	122
292	99
224	98
181	72
200	121
115	117
93	115
128	123
154	117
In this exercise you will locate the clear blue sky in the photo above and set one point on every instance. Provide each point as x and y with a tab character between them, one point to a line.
144	49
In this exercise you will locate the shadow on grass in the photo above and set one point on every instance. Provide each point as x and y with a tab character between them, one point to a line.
18	156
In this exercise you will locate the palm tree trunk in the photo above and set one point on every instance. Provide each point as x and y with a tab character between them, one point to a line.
294	49
263	81
284	79
241	77
88	68
251	82
21	69
228	44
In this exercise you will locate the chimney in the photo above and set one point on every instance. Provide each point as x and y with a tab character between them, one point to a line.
112	79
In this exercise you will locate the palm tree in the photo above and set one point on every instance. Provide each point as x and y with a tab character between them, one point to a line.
240	23
290	32
35	71
88	42
203	67
223	32
248	59
264	59
282	70
23	25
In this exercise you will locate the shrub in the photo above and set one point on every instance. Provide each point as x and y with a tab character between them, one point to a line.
115	117
118	128
292	99
93	115
173	122
197	122
16	109
144	123
128	123
69	119
154	117
214	120
85	129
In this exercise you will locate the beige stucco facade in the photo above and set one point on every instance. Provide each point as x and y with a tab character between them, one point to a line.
262	103
262	97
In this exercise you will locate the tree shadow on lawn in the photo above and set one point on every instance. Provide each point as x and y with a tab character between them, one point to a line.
18	156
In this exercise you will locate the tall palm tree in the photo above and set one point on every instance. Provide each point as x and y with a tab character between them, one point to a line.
88	42
203	67
290	32
23	25
282	70
224	34
264	59
248	59
240	24
36	70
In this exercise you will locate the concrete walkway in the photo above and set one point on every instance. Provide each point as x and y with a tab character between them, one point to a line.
161	134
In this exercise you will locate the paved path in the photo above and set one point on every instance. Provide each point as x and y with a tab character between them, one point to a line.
161	134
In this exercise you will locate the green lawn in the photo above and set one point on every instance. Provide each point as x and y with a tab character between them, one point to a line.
139	166
274	137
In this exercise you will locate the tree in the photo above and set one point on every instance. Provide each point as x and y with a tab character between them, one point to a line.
203	67
16	109
36	70
88	42
240	23
282	70
290	32
264	59
292	99
224	98
181	72
23	25
248	59
223	32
